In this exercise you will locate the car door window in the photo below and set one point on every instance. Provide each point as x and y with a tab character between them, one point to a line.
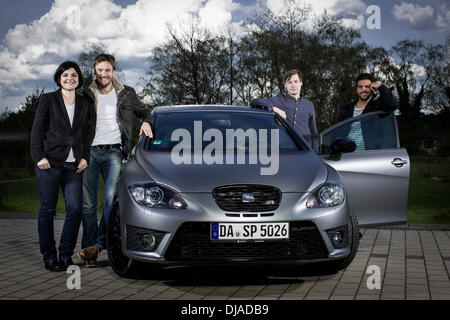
370	131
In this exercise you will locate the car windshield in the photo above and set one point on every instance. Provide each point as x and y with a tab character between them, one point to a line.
223	130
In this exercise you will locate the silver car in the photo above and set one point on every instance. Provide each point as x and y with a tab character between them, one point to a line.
235	185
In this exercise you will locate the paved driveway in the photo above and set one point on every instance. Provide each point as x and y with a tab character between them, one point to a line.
411	264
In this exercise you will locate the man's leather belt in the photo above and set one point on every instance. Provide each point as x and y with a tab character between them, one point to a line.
107	146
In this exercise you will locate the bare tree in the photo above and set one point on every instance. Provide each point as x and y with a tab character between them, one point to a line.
190	68
86	58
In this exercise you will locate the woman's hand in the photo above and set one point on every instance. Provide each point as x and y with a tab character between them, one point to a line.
82	165
43	164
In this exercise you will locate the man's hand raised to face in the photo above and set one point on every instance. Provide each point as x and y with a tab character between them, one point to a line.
374	86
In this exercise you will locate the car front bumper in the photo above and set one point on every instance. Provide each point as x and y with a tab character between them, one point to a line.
182	236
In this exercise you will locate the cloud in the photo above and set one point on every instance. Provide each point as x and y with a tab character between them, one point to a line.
422	18
443	18
33	51
129	32
418	70
216	14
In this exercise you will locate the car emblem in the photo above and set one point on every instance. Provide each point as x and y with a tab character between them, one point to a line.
248	197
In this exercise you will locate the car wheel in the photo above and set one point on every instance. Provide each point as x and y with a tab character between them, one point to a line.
354	243
121	264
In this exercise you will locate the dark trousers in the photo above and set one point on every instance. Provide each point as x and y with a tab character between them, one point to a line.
71	183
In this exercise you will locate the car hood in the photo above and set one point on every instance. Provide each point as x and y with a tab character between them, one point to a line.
300	172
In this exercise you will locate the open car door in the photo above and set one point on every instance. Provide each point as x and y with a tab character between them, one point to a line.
376	174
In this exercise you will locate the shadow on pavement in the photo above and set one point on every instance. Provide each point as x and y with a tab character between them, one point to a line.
226	276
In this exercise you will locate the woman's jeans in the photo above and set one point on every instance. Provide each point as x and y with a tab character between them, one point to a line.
71	184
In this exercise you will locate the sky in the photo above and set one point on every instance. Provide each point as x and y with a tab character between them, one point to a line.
36	36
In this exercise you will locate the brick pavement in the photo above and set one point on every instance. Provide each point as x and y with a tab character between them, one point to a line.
413	264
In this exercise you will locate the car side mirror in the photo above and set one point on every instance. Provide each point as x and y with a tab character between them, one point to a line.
339	146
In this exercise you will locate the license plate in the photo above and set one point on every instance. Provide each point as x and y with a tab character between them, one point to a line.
249	231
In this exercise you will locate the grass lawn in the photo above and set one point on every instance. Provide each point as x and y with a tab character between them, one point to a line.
429	191
23	197
428	200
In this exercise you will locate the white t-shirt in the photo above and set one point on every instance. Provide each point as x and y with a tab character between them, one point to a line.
107	130
70	112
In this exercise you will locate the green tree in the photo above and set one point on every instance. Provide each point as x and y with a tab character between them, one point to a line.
22	119
15	127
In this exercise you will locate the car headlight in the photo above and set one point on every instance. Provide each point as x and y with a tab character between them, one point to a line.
156	196
327	195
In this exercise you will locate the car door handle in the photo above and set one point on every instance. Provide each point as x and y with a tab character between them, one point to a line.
399	162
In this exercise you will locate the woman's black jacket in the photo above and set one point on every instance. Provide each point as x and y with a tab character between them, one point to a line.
52	135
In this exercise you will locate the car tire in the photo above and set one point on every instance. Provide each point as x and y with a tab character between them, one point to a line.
121	264
354	242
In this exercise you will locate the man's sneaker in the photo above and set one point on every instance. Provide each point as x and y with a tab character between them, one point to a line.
89	253
90	263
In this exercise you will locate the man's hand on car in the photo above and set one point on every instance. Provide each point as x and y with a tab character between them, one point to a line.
280	112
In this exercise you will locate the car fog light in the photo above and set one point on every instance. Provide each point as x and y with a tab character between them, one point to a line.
338	239
148	240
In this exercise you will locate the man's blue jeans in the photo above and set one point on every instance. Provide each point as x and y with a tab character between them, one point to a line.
107	163
71	184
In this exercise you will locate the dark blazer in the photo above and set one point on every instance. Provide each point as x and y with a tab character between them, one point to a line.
385	102
52	135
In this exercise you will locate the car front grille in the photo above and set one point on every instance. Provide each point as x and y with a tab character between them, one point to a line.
230	198
192	242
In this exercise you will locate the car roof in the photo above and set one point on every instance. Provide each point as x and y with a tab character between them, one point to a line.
194	108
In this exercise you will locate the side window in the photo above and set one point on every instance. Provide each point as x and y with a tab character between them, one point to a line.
370	131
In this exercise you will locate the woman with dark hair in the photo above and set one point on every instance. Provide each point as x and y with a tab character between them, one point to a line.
60	146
